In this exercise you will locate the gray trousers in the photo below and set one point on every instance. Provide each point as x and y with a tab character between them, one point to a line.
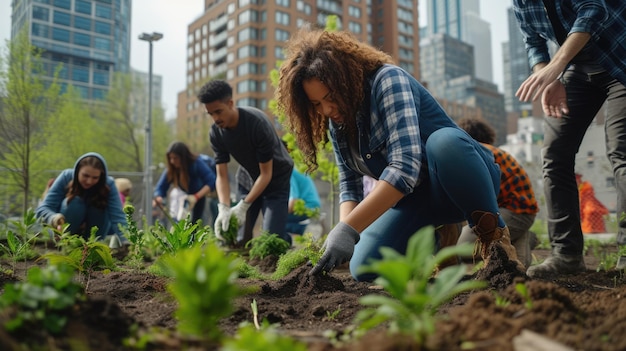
586	92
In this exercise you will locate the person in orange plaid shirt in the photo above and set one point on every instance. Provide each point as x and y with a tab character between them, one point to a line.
517	202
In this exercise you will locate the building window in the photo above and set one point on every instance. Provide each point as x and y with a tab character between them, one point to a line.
82	23
41	13
354	27
279	53
98	94
80	74
41	30
281	35
64	4
282	18
101	78
102	44
248	34
61	35
62	18
103	11
610	182
283	3
81	6
590	159
354	11
82	39
103	28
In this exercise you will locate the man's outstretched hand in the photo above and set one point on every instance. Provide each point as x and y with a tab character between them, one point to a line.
338	248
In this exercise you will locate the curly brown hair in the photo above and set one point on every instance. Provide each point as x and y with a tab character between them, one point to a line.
478	129
342	63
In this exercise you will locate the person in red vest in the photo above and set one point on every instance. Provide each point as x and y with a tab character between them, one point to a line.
592	211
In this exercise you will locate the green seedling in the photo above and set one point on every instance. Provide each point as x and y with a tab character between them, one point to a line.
42	300
85	256
500	300
204	287
266	245
332	315
230	235
183	235
248	338
415	294
523	291
309	251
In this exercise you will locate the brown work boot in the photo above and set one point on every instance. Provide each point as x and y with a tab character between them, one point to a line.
448	236
488	233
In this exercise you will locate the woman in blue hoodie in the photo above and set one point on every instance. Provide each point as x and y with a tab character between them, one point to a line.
84	197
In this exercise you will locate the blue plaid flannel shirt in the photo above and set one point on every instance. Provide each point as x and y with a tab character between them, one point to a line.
604	20
402	116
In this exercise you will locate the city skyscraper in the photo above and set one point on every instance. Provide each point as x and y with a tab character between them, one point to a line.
91	38
242	41
460	19
516	68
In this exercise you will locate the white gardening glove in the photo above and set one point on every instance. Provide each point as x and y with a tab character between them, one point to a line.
338	248
57	220
240	211
222	222
191	200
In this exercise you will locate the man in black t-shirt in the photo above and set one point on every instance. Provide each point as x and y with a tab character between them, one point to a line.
246	134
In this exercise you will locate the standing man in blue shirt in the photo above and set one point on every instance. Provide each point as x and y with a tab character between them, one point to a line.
588	70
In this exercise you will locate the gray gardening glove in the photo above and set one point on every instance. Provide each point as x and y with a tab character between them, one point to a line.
338	248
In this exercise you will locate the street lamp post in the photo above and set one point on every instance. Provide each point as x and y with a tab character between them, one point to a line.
148	143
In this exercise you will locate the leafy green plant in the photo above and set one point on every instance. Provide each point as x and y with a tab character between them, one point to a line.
19	238
266	245
135	236
183	235
309	251
332	315
204	287
85	256
248	338
523	291
500	300
230	235
414	297
42	299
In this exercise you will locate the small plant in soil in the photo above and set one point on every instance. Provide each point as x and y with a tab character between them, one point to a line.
308	251
41	301
19	241
415	294
266	245
85	256
183	235
204	287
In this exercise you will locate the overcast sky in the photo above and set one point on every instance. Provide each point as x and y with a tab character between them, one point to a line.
172	18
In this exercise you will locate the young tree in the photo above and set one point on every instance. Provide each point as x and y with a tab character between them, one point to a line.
29	101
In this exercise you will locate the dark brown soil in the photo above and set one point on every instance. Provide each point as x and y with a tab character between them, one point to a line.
585	312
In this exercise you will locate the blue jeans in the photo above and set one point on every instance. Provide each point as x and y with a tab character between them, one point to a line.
77	213
463	178
586	92
275	206
293	223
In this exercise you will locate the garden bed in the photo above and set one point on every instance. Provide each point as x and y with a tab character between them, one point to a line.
584	312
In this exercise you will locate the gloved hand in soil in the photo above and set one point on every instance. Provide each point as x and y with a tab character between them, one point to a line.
338	248
222	222
240	211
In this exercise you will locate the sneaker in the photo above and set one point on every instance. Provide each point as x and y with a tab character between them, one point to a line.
557	265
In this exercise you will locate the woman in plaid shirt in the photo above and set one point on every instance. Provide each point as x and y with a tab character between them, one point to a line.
384	124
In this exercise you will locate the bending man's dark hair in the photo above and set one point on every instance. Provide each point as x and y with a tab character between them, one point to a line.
215	90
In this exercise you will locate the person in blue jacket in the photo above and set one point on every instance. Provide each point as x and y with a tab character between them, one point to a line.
190	173
301	188
84	197
383	123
